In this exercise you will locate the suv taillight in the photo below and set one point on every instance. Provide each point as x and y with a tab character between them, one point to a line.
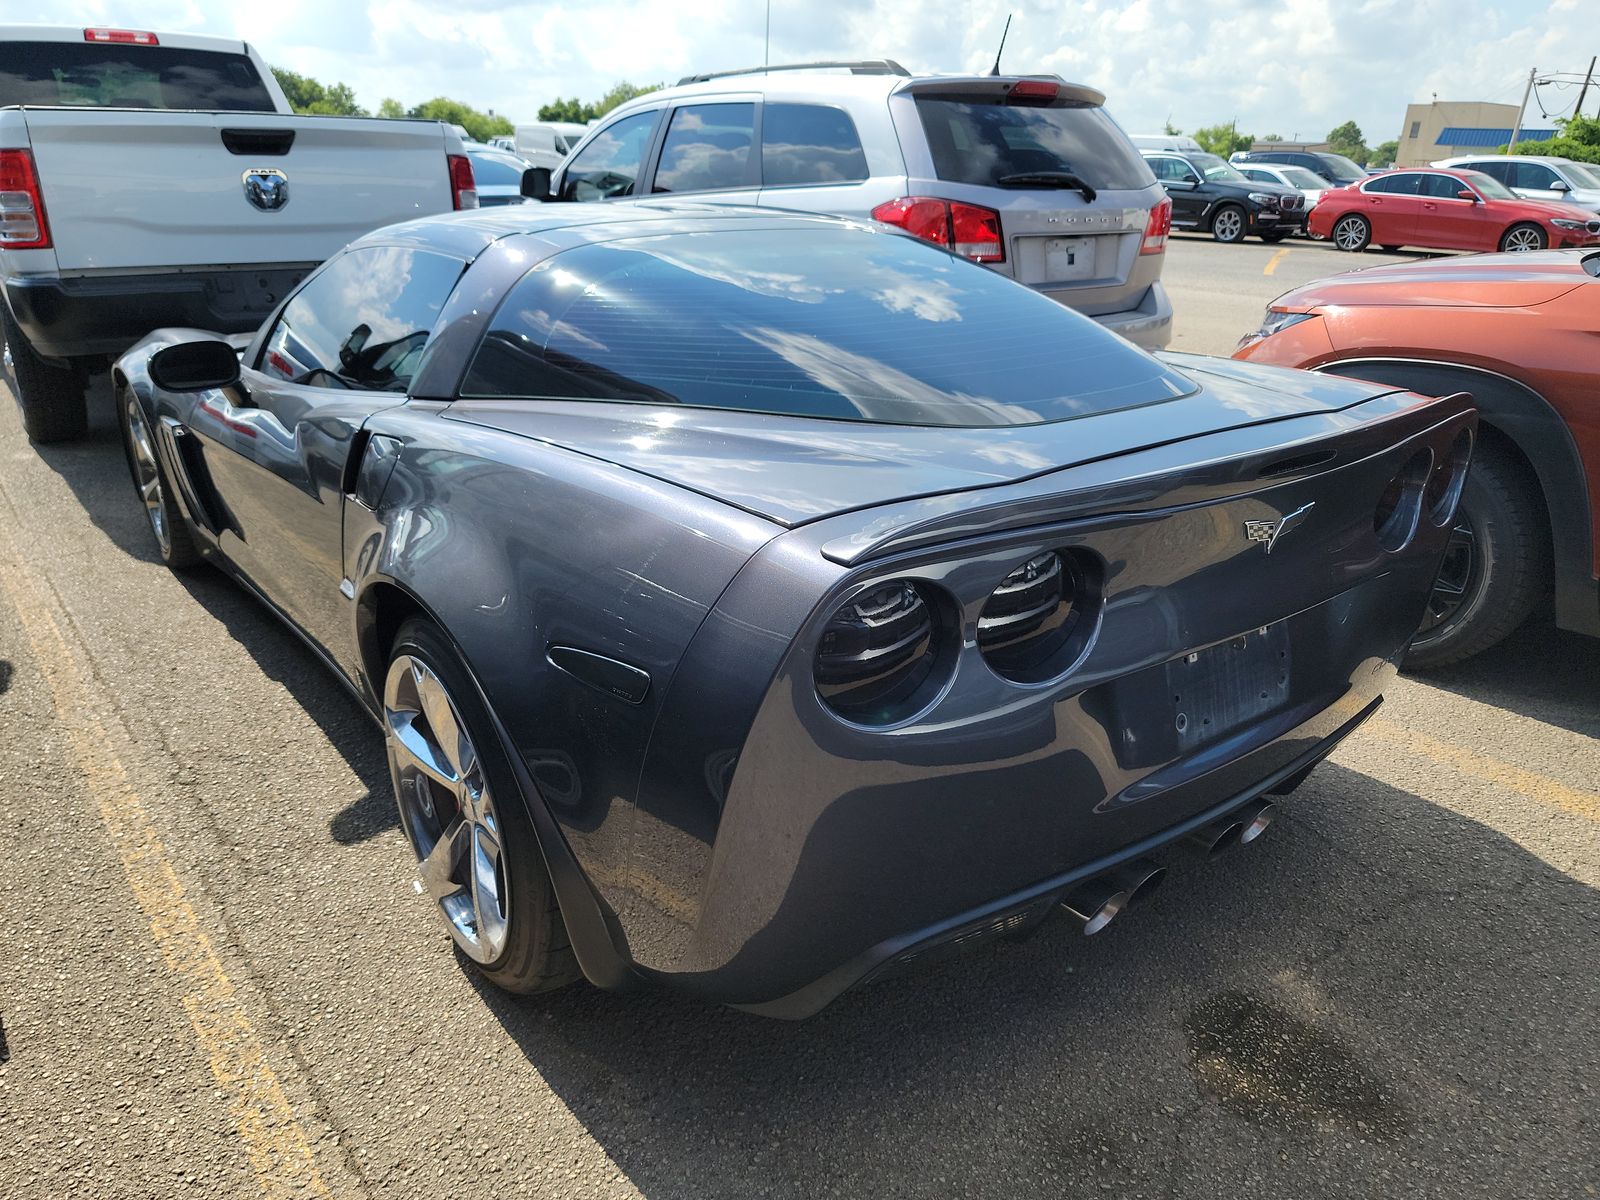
22	222
1158	229
964	228
463	187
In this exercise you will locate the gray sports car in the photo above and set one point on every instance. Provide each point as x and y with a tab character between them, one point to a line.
763	603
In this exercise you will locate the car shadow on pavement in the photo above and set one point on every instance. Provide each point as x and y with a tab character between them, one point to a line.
1540	672
1364	993
97	474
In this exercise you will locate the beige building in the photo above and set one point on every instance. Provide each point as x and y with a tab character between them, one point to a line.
1447	128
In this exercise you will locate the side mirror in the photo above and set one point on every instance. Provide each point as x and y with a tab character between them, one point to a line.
194	366
1560	185
1182	185
1468	194
536	183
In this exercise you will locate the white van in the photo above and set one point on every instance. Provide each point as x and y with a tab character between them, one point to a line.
546	144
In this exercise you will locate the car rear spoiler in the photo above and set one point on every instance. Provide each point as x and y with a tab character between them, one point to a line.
1028	89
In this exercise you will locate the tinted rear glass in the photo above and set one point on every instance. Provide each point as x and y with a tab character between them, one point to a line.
809	143
980	141
91	75
1343	169
820	321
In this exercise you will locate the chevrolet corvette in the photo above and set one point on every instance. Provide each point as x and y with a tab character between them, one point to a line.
762	603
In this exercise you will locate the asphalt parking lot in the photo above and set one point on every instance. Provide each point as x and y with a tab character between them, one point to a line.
216	980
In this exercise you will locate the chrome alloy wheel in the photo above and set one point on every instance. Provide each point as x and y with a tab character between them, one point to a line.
1524	239
147	472
1350	234
446	808
1229	225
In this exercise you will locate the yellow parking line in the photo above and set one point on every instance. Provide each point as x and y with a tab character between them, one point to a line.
274	1142
1272	263
1529	784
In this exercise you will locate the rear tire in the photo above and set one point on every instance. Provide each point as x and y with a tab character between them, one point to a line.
1274	236
1352	233
54	408
1523	237
521	945
1229	224
1499	558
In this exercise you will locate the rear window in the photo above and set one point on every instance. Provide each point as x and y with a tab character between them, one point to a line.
1343	169
87	75
824	321
502	170
982	141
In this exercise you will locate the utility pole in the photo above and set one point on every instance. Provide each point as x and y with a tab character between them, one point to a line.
1577	109
1511	146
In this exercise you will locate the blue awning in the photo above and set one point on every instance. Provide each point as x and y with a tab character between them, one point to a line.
1463	137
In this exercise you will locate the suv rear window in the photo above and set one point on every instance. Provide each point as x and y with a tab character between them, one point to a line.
981	141
821	321
90	75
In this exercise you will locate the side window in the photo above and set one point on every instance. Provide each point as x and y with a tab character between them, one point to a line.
1169	169
362	322
809	143
1532	175
1257	174
1441	187
707	148
1401	183
1416	129
1494	168
609	165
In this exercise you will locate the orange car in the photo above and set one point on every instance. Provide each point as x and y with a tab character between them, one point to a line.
1521	332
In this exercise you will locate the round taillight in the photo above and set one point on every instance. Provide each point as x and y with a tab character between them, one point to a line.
1445	482
1394	520
877	652
1035	617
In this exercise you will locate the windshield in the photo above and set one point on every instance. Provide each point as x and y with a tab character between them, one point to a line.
819	321
1489	186
1213	167
498	170
101	75
1341	168
982	141
1301	178
1584	175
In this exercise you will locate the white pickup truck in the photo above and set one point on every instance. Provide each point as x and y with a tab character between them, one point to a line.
162	179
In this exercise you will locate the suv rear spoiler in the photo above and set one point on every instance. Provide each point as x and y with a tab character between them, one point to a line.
992	87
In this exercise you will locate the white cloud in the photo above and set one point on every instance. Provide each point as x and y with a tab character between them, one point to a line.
1281	66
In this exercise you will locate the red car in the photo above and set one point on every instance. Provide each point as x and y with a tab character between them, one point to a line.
1435	209
1519	333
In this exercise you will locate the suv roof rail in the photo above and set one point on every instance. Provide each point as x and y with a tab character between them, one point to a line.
869	66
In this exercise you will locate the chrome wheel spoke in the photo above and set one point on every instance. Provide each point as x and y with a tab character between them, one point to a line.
440	871
487	906
416	750
453	747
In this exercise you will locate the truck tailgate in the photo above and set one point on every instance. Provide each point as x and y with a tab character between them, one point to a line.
131	189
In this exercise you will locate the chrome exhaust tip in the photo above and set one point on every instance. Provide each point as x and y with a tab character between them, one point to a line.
1212	839
1095	903
1256	816
1139	878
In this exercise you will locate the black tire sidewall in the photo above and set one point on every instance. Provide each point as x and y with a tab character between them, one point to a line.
1511	562
531	901
51	398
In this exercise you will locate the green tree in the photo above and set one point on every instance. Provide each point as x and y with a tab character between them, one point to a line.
307	95
480	126
1347	140
573	110
1383	154
1223	140
621	93
1579	138
1272	137
391	108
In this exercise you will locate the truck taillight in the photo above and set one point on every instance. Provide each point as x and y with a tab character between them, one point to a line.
1158	229
964	228
22	221
121	37
463	187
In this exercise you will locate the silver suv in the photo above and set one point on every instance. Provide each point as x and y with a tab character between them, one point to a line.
1537	176
1028	175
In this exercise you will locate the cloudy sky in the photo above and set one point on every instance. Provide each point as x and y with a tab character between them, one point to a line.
1292	67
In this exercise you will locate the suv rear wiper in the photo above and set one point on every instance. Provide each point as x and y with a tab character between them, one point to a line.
1058	179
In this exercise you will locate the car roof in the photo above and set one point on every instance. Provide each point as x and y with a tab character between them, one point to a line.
823	83
469	233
